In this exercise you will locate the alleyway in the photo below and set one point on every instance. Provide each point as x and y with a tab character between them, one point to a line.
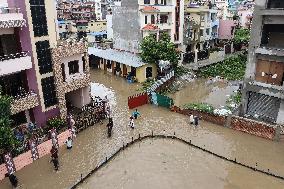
92	145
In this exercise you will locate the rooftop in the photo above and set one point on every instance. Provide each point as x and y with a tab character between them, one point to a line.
122	57
150	27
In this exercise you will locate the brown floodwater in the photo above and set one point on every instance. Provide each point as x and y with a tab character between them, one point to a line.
203	90
164	163
92	145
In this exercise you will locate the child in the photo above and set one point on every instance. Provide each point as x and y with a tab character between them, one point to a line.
109	127
135	114
131	122
69	143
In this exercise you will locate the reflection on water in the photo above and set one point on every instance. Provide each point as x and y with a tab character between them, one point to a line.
201	90
162	163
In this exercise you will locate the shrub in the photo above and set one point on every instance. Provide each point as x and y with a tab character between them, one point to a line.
203	107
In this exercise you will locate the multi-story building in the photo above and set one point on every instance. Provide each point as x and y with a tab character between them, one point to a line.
27	64
134	20
245	14
201	26
263	87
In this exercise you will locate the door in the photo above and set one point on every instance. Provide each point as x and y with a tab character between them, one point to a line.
124	70
149	72
105	65
276	73
113	67
262	71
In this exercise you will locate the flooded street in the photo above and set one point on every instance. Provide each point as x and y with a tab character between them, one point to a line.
92	146
202	90
164	163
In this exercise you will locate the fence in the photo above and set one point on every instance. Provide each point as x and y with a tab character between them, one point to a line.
164	101
173	137
137	100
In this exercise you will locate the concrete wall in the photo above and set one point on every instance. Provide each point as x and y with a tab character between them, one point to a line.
109	26
97	26
141	72
280	118
126	26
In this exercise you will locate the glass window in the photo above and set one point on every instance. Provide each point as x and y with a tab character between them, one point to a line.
44	57
73	67
48	90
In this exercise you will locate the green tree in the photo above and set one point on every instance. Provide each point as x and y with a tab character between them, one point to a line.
8	140
242	36
153	50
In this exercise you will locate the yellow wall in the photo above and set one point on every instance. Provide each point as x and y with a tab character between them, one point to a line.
97	26
141	72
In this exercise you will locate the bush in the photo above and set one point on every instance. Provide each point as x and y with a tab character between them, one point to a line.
232	68
203	107
56	123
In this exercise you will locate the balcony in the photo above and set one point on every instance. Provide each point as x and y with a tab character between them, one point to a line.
165	26
273	36
14	63
11	18
24	101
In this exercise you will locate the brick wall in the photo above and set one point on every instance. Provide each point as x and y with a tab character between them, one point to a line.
253	127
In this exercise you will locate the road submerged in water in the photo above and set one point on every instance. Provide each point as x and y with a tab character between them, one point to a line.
92	145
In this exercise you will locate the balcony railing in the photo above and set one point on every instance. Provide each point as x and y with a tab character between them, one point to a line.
24	101
14	56
11	17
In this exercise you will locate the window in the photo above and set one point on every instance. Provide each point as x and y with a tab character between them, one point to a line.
146	21
149	72
48	90
19	118
207	31
163	2
147	2
73	67
152	19
104	24
60	26
38	18
156	2
43	57
163	19
201	32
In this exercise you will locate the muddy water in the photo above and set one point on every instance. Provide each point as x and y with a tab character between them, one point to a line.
162	163
92	145
201	90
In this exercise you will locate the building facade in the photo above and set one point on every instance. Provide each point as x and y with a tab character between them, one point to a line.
263	89
134	20
32	34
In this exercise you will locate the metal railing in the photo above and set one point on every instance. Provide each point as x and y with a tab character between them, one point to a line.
6	10
14	56
173	137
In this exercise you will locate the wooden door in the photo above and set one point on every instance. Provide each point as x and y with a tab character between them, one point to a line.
124	70
262	71
113	67
276	73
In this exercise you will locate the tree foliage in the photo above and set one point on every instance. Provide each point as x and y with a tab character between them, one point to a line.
7	137
242	36
153	50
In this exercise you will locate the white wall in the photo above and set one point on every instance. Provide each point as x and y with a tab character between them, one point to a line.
80	97
15	65
109	27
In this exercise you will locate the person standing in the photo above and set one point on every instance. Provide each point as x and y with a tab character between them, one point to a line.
54	157
109	127
69	142
196	120
135	114
131	122
191	119
13	179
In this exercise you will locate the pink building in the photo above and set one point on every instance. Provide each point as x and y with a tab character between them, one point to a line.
227	29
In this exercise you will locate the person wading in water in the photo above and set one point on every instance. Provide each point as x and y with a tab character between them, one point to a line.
109	127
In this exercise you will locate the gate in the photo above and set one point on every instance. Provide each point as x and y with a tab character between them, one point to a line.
137	100
263	107
164	101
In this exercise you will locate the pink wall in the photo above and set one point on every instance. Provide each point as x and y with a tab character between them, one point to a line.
225	29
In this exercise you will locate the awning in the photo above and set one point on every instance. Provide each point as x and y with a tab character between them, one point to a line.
122	57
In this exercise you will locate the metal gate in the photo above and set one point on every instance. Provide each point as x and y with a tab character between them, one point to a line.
263	107
164	101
